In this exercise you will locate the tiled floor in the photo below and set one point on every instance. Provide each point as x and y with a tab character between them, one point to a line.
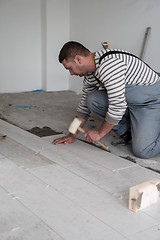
70	192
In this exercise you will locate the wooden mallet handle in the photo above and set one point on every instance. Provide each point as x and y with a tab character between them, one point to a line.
99	142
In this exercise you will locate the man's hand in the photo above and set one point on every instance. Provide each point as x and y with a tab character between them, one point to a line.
70	137
66	139
92	135
95	135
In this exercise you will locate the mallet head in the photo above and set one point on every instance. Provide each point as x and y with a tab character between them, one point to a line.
75	124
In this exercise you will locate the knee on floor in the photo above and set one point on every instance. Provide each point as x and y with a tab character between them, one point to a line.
142	152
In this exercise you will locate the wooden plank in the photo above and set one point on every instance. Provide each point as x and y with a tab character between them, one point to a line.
105	159
151	233
92	171
21	136
18	222
37	144
112	209
36	194
21	155
57	211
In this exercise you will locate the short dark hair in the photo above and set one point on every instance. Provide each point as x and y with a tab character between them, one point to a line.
71	49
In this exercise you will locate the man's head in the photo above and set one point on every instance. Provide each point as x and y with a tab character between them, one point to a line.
76	58
71	49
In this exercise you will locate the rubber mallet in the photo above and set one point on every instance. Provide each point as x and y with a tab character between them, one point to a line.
75	125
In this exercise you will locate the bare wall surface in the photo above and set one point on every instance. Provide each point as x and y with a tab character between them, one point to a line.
32	33
121	23
57	32
20	45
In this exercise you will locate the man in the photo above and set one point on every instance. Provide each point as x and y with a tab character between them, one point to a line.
121	90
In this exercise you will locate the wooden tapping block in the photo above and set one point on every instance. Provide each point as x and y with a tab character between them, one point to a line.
144	195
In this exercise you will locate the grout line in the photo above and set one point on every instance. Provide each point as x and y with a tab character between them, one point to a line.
120	169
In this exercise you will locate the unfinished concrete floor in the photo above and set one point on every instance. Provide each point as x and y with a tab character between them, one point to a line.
70	192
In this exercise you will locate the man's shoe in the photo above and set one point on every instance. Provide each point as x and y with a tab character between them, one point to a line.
124	139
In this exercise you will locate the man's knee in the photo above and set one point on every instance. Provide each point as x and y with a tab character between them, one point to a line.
140	154
142	151
90	99
97	102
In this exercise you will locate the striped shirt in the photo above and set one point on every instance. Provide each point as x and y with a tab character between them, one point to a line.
112	74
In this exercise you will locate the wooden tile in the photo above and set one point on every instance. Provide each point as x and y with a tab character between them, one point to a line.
151	233
21	155
19	223
82	195
105	159
57	211
112	209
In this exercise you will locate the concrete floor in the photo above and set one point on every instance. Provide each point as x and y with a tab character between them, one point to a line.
75	191
39	109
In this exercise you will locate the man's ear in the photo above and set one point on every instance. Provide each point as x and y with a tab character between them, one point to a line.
78	59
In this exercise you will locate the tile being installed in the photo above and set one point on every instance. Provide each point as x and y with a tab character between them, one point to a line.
105	159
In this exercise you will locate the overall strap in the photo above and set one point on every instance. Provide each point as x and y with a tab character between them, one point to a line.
126	53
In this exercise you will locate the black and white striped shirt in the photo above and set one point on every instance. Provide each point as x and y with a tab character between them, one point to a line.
112	74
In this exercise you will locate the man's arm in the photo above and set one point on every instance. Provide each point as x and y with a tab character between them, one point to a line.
95	135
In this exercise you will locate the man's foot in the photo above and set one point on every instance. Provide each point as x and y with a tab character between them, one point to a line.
124	139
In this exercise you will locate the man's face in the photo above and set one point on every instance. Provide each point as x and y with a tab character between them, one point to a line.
76	68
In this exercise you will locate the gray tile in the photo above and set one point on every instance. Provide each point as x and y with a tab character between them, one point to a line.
109	208
57	211
82	195
153	211
151	233
105	159
19	223
21	155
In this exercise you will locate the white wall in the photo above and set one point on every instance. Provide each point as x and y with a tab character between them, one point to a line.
57	23
44	44
32	32
122	23
20	45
